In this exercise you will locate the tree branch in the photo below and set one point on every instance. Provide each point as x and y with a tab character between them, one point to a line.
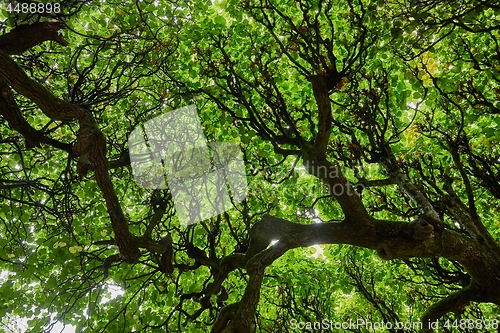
398	239
322	97
454	303
90	145
11	112
390	164
338	186
24	37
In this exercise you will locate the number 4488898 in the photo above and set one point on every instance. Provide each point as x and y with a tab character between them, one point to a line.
34	8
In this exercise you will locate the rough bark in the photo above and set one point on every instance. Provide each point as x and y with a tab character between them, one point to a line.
455	303
398	239
90	145
24	37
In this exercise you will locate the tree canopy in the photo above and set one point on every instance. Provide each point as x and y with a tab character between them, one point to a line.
369	132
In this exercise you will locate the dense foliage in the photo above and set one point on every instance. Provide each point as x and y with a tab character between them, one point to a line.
371	144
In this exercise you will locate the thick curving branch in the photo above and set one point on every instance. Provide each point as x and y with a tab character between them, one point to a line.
338	186
389	162
90	145
474	226
322	97
455	303
315	161
24	37
239	317
12	113
391	239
